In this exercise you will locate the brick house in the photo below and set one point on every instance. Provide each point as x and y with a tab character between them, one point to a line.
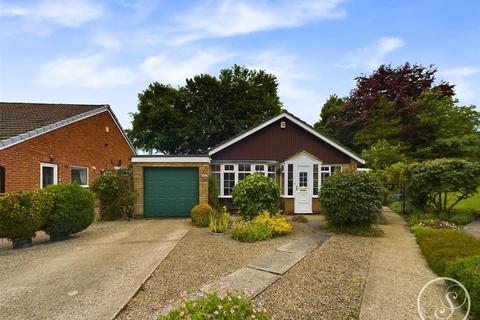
42	144
283	147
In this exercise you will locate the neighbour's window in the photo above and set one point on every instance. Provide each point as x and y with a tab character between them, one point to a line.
216	176
336	168
228	179
290	180
48	174
315	179
271	171
2	179
80	175
243	170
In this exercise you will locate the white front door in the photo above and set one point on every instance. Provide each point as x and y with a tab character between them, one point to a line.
303	188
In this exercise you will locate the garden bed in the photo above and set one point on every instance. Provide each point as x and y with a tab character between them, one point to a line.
199	258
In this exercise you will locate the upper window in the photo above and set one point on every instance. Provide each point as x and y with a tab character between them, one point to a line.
48	174
259	168
80	175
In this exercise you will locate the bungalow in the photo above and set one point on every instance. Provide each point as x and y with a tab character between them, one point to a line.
43	144
284	148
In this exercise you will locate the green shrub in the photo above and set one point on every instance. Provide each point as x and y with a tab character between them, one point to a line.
200	214
351	198
114	189
430	182
247	231
22	214
440	246
360	230
73	209
232	306
467	272
462	217
256	193
213	194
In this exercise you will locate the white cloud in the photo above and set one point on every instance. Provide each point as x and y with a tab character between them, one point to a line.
373	55
106	40
175	68
84	71
224	18
71	13
466	88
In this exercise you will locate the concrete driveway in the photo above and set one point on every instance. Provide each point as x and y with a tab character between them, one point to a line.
91	276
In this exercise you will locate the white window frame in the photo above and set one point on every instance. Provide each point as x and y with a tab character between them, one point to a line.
80	167
55	172
221	193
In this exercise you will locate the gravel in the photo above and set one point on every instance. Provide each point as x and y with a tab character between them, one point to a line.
199	258
326	284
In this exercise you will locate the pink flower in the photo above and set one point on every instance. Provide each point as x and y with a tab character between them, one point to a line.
183	294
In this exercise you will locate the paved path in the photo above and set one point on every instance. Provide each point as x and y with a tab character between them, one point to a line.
91	276
473	228
398	271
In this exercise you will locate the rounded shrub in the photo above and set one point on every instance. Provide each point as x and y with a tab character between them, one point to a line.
255	194
351	198
73	210
22	214
200	214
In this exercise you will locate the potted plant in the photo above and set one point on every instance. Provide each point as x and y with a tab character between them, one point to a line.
219	222
22	214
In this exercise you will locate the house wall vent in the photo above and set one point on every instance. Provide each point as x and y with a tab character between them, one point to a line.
283	125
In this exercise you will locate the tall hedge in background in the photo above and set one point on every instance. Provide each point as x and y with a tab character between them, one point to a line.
430	182
255	194
351	198
114	189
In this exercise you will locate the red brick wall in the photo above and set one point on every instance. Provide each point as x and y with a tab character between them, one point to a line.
83	143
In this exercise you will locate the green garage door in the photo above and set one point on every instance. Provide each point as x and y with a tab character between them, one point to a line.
170	192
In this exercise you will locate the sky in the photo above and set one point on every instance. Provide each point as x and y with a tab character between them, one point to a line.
106	52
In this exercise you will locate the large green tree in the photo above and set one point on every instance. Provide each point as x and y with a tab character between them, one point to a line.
405	106
204	112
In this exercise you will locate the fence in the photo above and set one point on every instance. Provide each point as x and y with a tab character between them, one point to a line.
395	198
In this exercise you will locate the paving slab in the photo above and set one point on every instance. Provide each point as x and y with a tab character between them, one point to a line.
245	279
277	262
306	243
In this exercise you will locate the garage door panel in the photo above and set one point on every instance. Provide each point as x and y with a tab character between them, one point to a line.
170	191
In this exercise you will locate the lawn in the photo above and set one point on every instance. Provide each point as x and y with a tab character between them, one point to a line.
472	203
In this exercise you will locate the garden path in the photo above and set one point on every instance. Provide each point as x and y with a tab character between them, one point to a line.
398	272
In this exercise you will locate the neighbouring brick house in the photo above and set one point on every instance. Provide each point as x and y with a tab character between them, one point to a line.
42	144
284	148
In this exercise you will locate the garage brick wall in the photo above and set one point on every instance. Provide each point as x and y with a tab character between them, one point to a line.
204	169
83	143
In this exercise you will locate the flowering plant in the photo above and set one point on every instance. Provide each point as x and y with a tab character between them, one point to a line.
277	222
214	306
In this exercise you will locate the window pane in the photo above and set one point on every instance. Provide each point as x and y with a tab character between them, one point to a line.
242	175
282	187
259	167
325	175
215	168
216	178
290	180
228	167
302	179
228	183
336	169
325	168
315	179
79	175
271	168
47	176
244	167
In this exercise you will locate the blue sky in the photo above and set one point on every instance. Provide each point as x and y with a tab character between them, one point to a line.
82	51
